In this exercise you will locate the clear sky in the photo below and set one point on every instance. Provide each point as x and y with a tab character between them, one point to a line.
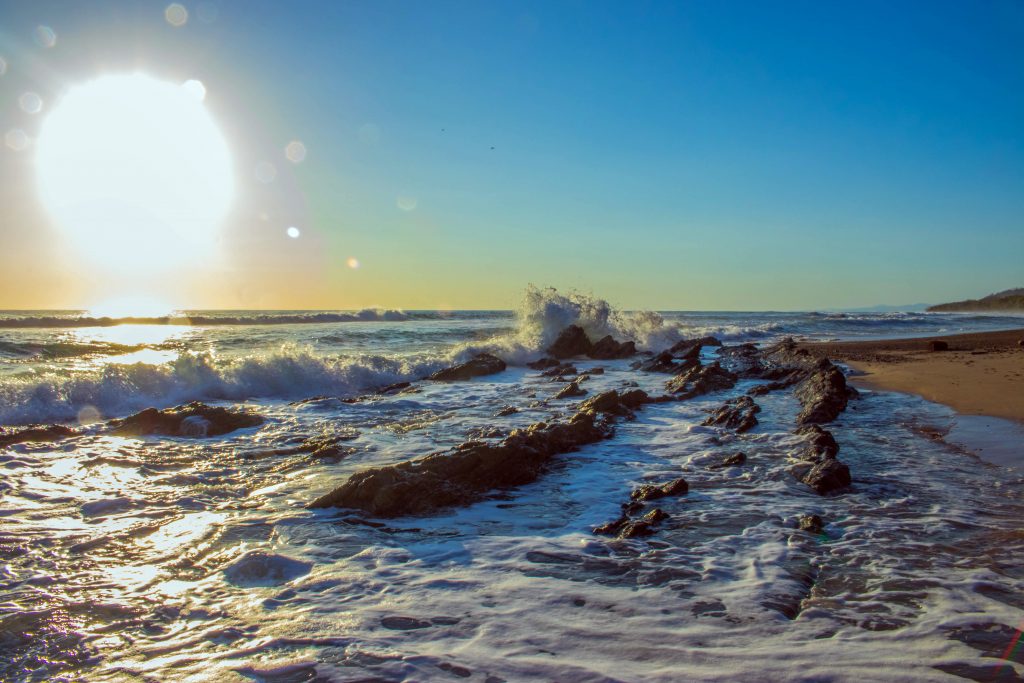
678	155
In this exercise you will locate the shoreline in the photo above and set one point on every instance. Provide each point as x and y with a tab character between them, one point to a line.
982	373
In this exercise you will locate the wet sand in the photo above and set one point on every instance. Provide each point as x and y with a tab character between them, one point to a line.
980	374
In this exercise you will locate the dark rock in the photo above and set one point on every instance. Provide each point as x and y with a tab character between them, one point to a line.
615	403
820	443
506	411
571	342
823	394
827	476
736	413
734	460
938	345
701	379
560	370
396	388
571	390
812	524
676	487
544	363
643	526
686	349
480	365
192	419
464	474
607	348
36	434
665	362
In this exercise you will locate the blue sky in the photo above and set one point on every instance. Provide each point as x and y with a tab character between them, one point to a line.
701	155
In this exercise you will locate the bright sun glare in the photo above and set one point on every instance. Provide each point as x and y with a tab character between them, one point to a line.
136	173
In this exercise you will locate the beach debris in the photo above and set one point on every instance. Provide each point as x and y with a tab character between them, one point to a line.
35	434
478	366
738	414
195	419
734	460
938	345
571	390
701	379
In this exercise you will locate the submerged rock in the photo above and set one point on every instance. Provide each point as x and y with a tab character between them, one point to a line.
607	348
736	413
258	568
478	366
35	434
194	419
506	411
734	460
560	370
624	527
571	342
701	379
676	487
464	474
812	524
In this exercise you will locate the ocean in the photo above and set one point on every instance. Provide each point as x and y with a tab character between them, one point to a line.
197	559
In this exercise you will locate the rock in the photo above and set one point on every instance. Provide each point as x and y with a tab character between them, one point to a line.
192	419
1020	343
686	349
615	403
823	394
571	390
827	476
737	413
571	342
643	526
938	345
676	487
464	474
258	568
506	411
665	362
812	524
35	434
701	379
544	363
607	348
734	460
560	370
480	365
820	443
595	371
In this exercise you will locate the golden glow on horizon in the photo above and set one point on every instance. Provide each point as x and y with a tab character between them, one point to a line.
123	307
136	173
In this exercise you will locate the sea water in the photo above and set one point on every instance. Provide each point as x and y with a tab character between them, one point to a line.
184	559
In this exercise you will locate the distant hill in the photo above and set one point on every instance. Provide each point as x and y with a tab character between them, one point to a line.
885	308
1009	300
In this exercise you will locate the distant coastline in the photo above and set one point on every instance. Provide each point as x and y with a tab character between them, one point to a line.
1010	300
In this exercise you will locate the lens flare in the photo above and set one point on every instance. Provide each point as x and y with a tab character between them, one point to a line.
295	151
352	262
293	232
176	15
45	36
30	103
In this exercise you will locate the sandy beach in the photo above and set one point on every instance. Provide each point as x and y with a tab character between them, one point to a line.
980	374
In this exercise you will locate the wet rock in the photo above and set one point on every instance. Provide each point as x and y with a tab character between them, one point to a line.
616	403
544	363
595	371
396	388
820	442
812	524
644	526
484	433
35	434
701	379
827	476
571	342
571	390
676	487
258	568
703	341
464	474
823	394
734	460
404	623
607	348
560	370
506	411
480	365
938	345
738	414
686	349
192	419
665	362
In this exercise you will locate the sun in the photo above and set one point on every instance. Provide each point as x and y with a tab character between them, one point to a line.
136	173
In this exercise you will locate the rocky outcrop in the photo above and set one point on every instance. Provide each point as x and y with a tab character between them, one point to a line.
827	476
734	460
607	348
561	370
687	349
665	362
571	390
35	434
701	379
625	527
544	363
620	404
192	420
812	524
822	471
676	487
478	366
738	414
820	443
823	394
571	342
